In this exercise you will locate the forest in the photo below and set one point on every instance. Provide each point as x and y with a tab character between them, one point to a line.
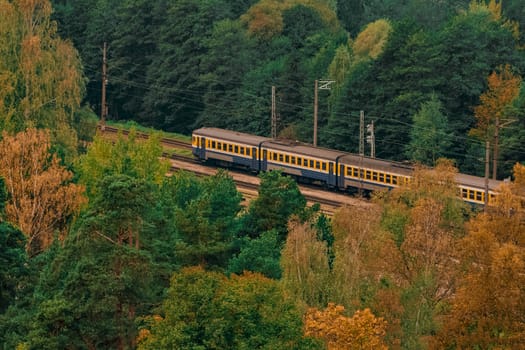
416	68
100	249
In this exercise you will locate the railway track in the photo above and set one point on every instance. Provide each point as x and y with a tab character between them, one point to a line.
248	185
166	142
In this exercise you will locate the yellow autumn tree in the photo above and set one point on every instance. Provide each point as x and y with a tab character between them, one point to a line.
42	197
363	253
487	310
265	18
41	82
371	41
361	331
304	263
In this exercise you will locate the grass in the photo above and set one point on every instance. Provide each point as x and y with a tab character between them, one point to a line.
128	125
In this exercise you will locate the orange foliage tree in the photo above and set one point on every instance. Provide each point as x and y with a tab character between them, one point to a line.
426	220
42	198
503	88
488	309
361	331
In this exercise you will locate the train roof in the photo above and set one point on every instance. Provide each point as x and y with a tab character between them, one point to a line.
229	135
476	181
302	149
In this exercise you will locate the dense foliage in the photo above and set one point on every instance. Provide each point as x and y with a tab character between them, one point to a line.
104	251
178	65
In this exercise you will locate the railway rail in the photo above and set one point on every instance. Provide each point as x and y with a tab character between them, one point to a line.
247	184
166	142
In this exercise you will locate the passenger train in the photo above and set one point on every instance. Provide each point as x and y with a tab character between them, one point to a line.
334	168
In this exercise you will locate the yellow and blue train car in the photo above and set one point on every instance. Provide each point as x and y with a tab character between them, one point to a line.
336	169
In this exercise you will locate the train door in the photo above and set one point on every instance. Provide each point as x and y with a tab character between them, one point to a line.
332	178
202	149
264	160
341	176
255	162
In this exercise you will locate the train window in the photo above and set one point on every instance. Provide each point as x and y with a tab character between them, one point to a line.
219	145
368	175
355	172
236	149
292	160
281	157
374	175
394	179
317	164
323	165
230	148
274	156
213	144
464	193
287	159
388	178
311	163
471	194
348	171
479	196
381	177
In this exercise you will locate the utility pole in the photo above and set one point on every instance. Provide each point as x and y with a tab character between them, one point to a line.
315	113
325	85
371	139
487	165
495	153
362	133
274	116
103	107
